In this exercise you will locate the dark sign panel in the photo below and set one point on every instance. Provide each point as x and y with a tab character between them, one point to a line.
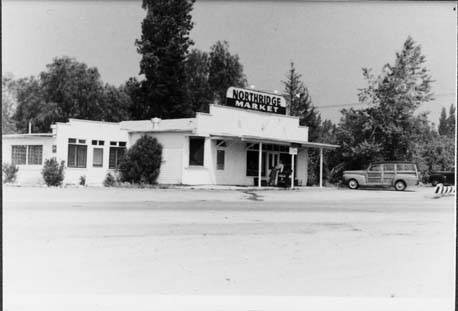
254	100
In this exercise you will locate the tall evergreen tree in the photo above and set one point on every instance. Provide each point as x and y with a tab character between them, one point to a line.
443	122
299	102
451	121
164	44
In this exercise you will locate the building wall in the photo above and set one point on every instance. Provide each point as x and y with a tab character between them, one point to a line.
173	156
88	130
238	122
28	174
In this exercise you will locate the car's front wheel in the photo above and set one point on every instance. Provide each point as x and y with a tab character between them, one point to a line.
353	184
400	185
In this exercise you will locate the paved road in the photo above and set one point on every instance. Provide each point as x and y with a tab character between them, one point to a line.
326	244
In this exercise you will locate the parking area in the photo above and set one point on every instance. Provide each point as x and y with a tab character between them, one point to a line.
99	242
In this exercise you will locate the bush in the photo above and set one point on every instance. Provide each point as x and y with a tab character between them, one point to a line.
83	180
142	162
109	181
53	173
9	172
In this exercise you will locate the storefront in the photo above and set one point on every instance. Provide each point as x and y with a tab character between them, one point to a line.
236	144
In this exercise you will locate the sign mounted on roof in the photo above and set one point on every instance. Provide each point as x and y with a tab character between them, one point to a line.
255	100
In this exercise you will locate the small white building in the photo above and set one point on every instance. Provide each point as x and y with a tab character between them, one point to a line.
227	146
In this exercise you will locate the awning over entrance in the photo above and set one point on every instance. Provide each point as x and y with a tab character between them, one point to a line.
257	139
287	142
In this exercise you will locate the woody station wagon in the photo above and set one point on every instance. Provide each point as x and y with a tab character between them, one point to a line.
391	174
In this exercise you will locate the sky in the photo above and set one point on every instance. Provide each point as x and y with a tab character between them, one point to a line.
329	42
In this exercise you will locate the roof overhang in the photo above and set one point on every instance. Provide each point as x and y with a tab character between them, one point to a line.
265	140
31	135
160	131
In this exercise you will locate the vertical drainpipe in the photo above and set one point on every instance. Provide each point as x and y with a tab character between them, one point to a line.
259	164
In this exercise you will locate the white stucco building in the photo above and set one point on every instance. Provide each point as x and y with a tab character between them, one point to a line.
226	146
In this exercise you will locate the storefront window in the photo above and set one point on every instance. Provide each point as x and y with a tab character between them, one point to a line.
196	151
252	158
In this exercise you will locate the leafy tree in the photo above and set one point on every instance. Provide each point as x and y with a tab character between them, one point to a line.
142	162
67	89
387	129
225	70
197	71
9	104
447	123
299	102
164	44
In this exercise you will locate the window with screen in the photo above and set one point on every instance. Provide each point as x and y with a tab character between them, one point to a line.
77	156
97	157
19	154
220	159
35	154
196	151
115	156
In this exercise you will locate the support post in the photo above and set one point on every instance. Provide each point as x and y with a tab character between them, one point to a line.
321	167
292	171
259	165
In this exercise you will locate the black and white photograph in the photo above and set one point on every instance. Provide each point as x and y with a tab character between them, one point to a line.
233	155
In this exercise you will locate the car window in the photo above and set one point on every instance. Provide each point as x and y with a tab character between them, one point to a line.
405	167
375	168
388	167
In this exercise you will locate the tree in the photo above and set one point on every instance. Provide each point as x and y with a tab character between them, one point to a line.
388	128
67	89
225	70
9	104
299	102
451	120
142	162
200	95
164	44
443	122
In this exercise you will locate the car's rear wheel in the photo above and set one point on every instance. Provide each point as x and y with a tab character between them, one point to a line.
400	185
353	184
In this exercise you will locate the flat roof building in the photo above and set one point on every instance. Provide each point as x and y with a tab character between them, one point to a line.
227	146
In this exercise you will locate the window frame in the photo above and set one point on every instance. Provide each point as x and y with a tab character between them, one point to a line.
13	154
76	156
29	154
117	160
93	157
192	161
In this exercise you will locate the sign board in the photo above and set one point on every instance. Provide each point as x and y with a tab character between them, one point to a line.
255	100
292	150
